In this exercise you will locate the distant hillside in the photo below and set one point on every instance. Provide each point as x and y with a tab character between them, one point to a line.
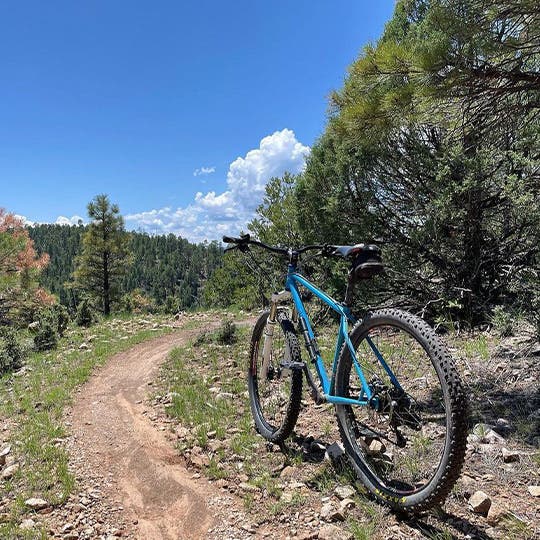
169	269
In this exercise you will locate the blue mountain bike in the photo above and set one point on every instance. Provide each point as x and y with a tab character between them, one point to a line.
399	402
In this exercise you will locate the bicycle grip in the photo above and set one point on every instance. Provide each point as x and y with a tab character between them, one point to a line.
230	240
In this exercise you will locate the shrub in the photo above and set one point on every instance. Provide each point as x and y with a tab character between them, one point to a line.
137	301
61	317
46	337
226	334
11	352
56	316
85	314
503	321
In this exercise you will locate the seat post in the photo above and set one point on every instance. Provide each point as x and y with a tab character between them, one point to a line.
349	291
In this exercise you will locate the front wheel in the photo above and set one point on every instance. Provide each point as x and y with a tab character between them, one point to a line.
275	395
408	446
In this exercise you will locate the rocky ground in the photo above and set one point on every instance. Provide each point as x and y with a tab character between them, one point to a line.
253	489
300	492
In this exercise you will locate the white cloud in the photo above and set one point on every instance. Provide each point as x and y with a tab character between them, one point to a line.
211	214
73	220
25	220
203	171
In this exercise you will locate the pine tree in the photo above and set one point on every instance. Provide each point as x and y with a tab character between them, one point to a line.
432	148
105	256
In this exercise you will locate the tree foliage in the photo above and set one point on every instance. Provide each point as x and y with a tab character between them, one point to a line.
20	266
62	243
432	150
12	352
105	255
411	155
169	270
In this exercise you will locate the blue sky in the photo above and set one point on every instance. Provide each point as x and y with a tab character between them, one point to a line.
179	111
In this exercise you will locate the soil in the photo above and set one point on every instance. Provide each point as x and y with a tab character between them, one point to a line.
131	479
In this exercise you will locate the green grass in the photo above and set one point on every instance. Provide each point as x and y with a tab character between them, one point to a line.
476	346
244	456
194	403
198	375
516	529
34	403
362	530
280	506
375	519
325	478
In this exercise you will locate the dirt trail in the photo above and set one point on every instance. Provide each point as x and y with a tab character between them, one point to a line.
114	439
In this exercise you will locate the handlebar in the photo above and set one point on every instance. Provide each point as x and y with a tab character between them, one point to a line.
245	240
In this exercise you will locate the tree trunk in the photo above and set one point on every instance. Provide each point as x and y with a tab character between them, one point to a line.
106	285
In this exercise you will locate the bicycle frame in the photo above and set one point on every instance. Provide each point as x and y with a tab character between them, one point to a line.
294	279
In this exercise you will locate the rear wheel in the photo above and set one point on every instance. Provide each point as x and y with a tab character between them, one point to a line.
409	447
275	396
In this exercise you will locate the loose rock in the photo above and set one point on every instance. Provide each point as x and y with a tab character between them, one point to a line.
334	451
27	524
534	491
330	513
287	472
331	532
244	486
376	447
287	497
495	514
8	472
346	504
509	456
480	502
344	492
3	455
36	504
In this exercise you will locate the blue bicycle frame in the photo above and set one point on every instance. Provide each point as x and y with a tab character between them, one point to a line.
365	397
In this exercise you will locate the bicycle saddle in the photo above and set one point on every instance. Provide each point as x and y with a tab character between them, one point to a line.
349	251
365	258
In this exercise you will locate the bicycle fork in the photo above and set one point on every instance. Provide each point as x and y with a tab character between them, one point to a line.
269	332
